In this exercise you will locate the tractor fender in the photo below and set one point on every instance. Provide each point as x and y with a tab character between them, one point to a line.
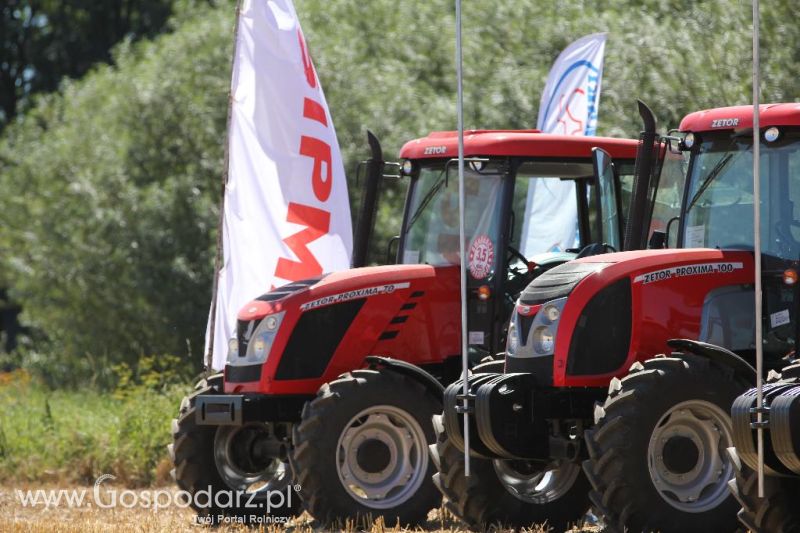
407	369
718	354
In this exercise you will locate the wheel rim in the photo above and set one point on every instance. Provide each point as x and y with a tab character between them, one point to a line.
537	486
381	457
248	456
686	456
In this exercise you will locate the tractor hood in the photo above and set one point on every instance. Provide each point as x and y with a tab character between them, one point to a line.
336	287
623	307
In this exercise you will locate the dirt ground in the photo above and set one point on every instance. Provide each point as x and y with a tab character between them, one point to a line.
92	518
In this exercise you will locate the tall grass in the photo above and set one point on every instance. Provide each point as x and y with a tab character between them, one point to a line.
77	435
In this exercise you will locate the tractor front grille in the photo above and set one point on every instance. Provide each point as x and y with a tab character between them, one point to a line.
314	340
602	336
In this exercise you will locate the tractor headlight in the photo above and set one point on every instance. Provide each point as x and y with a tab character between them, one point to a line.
772	134
551	312
513	338
541	337
233	348
544	340
258	344
263	337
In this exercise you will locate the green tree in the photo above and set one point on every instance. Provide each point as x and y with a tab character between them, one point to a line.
110	200
110	186
43	41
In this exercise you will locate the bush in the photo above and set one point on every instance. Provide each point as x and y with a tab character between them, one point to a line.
75	436
110	201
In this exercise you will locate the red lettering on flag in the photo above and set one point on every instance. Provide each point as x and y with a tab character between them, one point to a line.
317	222
314	111
320	151
308	66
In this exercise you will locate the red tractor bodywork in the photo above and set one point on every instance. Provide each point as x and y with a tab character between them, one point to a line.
668	291
419	316
630	361
409	312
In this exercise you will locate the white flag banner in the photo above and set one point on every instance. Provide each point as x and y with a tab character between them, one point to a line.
286	210
568	106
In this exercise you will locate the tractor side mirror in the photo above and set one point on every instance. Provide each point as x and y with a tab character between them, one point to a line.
392	259
609	228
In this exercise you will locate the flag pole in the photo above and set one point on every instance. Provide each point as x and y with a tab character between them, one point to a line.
757	249
218	258
462	235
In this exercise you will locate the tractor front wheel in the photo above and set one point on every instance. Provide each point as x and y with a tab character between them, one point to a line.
508	493
776	512
657	453
232	471
361	449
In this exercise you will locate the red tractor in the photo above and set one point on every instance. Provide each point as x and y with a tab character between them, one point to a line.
779	415
583	384
331	383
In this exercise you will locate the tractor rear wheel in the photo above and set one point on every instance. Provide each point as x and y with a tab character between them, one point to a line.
361	450
507	493
657	454
776	512
232	471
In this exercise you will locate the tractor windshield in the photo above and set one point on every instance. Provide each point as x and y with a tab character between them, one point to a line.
431	233
719	201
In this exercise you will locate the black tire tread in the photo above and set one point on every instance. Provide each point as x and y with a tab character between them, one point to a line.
776	512
615	421
306	452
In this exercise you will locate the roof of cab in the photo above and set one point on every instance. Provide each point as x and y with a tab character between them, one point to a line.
741	117
519	143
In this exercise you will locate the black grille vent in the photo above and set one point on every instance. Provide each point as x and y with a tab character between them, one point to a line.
602	337
286	290
315	339
524	323
243	374
245	330
557	282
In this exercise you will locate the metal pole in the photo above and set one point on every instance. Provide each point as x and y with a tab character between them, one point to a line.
462	235
209	355
757	248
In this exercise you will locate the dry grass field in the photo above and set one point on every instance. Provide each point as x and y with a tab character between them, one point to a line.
89	518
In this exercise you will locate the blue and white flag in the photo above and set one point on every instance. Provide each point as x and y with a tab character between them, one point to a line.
568	106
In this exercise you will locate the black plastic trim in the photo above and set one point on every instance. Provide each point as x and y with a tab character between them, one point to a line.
243	374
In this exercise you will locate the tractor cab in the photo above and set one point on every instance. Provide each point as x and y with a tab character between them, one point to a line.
621	369
706	201
718	214
533	201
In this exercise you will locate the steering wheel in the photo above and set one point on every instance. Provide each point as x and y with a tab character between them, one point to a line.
518	278
739	246
595	249
516	254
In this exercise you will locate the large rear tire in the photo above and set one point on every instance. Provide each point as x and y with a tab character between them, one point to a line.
657	454
361	450
497	493
221	461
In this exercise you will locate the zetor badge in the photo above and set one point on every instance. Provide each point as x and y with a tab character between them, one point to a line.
481	257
